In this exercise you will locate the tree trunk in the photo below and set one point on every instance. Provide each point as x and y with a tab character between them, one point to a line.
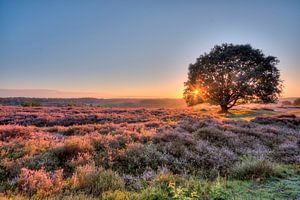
224	109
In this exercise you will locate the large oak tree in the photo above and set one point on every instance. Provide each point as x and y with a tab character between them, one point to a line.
233	74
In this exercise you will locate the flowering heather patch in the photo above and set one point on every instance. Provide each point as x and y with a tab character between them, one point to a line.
68	116
46	148
40	181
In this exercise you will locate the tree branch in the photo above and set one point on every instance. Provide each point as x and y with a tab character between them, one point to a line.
234	102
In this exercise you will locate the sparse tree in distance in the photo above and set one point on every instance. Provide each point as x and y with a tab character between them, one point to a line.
297	102
287	103
233	74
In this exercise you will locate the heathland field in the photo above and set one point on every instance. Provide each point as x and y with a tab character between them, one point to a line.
149	153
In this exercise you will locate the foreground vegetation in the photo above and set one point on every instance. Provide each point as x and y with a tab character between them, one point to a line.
93	153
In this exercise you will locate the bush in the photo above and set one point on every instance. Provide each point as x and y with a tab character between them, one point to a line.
172	136
162	180
170	186
297	102
73	146
210	161
9	132
40	182
154	193
137	158
47	160
62	156
286	103
250	168
290	121
31	104
78	196
120	195
218	190
96	181
288	152
210	133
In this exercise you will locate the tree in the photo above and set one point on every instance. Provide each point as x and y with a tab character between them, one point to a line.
287	103
297	102
233	74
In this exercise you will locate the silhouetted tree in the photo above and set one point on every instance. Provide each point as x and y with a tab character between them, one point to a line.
297	102
286	103
233	74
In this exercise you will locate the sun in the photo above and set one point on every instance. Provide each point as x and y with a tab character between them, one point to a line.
196	92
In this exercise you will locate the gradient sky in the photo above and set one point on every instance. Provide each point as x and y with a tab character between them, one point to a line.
136	48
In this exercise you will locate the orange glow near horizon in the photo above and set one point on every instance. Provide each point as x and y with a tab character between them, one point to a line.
171	90
196	92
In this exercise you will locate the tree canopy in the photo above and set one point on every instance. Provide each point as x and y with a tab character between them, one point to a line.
233	74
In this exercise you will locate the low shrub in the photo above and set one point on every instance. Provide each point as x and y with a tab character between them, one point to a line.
210	133
154	193
63	156
96	181
290	121
40	182
170	186
76	196
211	161
297	102
286	103
288	153
137	158
218	190
170	136
8	132
251	168
120	195
47	160
72	147
163	179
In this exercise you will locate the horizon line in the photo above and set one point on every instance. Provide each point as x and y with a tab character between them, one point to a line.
59	94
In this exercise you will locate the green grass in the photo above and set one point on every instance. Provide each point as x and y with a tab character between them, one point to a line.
276	188
285	187
248	114
171	186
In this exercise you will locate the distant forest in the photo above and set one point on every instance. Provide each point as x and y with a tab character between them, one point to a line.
106	103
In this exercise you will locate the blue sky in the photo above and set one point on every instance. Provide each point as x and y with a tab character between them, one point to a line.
136	48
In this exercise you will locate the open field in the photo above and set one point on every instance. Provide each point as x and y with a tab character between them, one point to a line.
149	153
149	100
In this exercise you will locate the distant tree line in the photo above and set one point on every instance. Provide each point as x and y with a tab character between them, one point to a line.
94	102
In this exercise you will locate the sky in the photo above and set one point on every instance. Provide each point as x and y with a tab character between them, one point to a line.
133	48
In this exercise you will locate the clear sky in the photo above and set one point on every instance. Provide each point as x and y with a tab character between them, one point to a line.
136	48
